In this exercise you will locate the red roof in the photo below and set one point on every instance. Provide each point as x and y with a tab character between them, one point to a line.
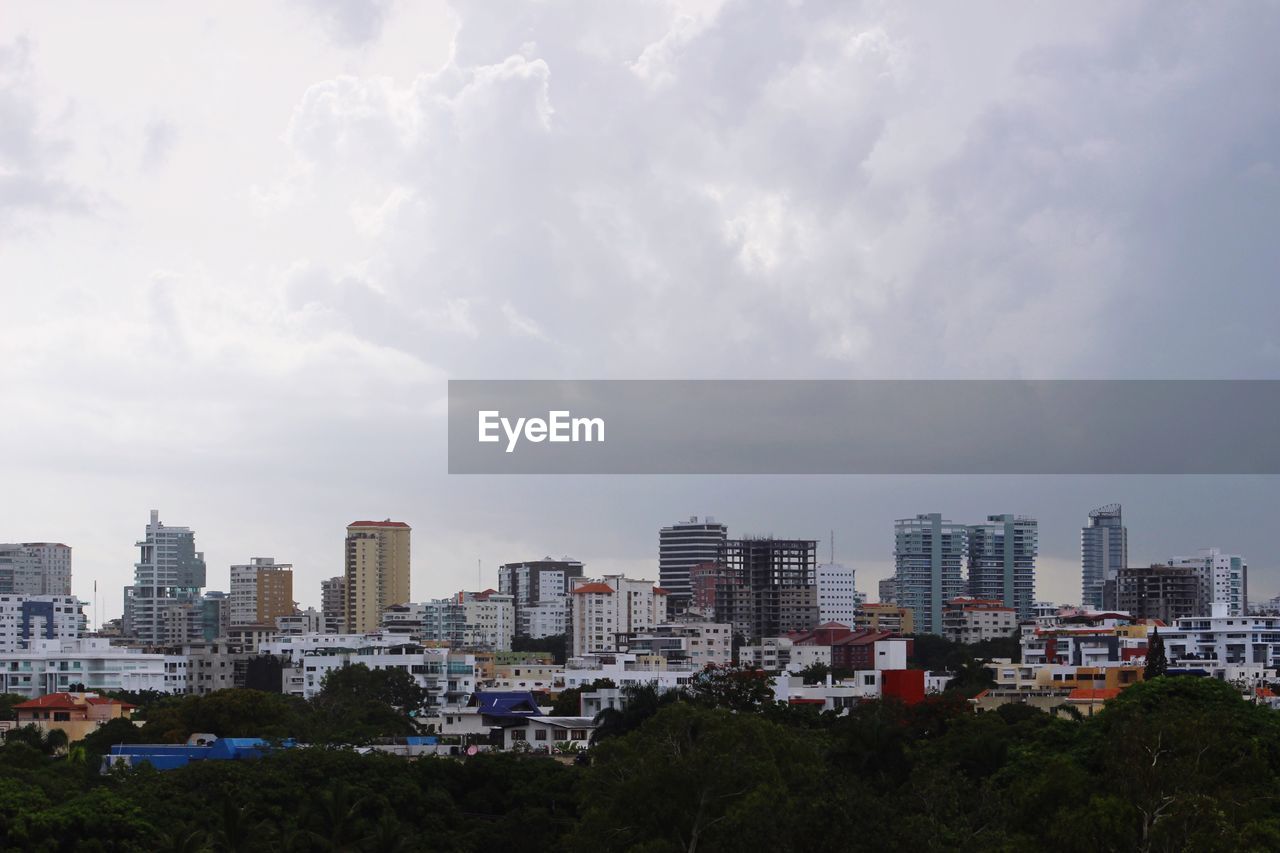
387	523
1265	693
657	590
593	587
66	702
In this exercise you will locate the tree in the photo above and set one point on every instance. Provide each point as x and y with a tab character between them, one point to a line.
7	701
568	702
557	646
1157	664
971	678
701	778
737	688
815	673
639	703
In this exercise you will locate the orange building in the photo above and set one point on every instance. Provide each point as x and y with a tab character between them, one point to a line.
77	714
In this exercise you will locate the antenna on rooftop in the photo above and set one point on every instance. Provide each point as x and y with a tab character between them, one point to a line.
833	546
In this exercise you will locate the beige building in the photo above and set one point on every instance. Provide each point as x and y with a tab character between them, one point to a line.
377	572
885	617
261	590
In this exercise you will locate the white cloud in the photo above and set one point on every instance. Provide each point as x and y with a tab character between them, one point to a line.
352	201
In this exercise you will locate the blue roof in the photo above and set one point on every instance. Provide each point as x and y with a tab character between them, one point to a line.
514	703
164	756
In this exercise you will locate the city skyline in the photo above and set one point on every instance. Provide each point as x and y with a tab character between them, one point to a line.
1057	570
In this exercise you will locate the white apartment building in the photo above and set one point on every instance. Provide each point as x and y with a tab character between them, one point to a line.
26	618
772	654
540	592
54	666
838	601
1224	578
1215	642
449	677
309	621
488	620
603	610
627	670
696	643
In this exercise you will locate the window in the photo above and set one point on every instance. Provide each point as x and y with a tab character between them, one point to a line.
540	734
519	734
578	734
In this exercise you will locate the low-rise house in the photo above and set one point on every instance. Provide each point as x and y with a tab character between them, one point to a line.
550	734
75	714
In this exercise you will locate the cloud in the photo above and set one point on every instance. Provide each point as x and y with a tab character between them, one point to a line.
658	189
31	149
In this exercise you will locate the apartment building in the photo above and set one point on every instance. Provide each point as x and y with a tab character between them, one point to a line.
93	664
25	618
606	610
261	591
971	620
377	572
929	556
168	578
539	591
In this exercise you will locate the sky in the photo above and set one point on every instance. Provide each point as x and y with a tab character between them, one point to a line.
243	249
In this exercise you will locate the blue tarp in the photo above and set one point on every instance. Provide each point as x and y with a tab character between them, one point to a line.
167	756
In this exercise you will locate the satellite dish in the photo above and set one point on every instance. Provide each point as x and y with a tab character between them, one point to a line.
472	750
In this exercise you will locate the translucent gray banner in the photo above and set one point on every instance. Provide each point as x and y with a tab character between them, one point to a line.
863	427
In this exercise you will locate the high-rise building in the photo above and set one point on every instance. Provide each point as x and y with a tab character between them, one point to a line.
166	585
888	589
838	600
929	554
1002	562
767	587
261	590
1224	579
333	599
539	591
682	546
614	606
1159	592
215	615
377	572
1104	551
19	571
55	566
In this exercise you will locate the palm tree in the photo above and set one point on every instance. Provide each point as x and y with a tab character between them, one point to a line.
238	827
192	841
337	811
389	836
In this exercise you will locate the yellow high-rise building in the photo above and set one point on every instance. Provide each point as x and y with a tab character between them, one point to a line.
377	571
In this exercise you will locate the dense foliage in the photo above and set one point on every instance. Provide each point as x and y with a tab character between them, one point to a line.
1177	763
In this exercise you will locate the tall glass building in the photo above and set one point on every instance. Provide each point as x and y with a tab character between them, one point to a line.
929	555
1104	551
1002	561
